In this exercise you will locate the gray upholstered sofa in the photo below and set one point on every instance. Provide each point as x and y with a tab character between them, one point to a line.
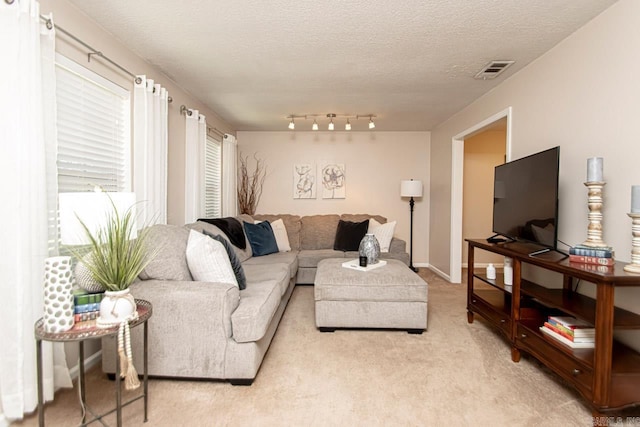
215	330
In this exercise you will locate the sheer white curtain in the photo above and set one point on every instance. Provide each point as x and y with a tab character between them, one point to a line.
195	142
150	141
229	176
27	123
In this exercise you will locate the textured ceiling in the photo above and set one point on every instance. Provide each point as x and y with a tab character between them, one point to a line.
410	62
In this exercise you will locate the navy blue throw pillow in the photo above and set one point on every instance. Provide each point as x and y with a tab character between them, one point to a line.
261	238
349	234
238	271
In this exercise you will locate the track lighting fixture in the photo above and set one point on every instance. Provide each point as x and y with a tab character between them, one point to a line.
331	116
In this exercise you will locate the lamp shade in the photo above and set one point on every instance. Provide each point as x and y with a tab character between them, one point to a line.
93	209
411	188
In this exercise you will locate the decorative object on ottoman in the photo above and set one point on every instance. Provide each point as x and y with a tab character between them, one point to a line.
58	298
411	188
370	248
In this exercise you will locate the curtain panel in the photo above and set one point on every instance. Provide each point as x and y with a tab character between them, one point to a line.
150	146
27	167
195	144
229	176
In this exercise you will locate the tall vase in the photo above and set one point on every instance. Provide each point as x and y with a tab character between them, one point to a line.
58	298
116	307
370	248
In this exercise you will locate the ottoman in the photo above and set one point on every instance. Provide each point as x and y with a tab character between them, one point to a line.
390	297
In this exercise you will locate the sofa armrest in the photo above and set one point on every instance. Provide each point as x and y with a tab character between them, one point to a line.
397	245
188	330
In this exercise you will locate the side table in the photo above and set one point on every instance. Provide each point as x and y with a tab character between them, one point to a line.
145	310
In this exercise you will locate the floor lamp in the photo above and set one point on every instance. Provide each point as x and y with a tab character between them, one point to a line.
411	188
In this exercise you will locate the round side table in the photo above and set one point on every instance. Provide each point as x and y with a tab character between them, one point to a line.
145	310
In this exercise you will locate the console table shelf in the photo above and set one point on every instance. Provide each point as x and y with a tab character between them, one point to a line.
607	376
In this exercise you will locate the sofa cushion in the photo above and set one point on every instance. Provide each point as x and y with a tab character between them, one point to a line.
288	258
258	304
280	233
312	257
170	262
318	231
236	265
200	226
208	260
261	238
362	217
291	223
278	271
349	234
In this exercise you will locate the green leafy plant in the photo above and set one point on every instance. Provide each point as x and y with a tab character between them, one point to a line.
113	258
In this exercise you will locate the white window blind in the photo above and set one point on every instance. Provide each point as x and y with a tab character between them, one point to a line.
94	136
213	178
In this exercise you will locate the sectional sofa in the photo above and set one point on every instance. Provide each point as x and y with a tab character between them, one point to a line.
214	330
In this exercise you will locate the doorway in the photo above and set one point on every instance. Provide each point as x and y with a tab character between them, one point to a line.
457	184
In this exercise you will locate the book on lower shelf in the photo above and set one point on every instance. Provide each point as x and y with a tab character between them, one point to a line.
550	333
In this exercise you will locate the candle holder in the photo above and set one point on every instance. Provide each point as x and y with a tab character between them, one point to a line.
634	267
594	231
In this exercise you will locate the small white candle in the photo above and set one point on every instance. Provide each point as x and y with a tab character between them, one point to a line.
635	199
594	169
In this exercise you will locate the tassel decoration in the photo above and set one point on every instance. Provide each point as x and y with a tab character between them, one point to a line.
131	382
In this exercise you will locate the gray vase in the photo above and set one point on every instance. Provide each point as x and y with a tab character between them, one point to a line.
370	248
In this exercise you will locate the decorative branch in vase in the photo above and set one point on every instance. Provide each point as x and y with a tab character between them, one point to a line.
250	184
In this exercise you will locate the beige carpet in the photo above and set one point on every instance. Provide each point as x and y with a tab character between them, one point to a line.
455	374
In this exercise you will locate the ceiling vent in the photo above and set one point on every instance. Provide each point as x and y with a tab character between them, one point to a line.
493	69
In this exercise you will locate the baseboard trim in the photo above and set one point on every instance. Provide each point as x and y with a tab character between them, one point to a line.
440	273
89	363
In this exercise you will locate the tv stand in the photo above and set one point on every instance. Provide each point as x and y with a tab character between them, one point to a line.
607	376
497	238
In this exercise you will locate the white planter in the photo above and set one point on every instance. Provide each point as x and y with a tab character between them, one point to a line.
116	307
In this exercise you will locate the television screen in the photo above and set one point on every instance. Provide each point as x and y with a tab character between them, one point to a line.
525	198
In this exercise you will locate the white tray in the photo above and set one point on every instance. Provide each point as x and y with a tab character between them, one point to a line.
354	264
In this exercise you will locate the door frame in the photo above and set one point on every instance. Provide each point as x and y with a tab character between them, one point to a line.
457	172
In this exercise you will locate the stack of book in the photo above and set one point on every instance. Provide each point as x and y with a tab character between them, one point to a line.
591	255
570	331
86	309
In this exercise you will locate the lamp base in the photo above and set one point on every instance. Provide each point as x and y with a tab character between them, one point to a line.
414	269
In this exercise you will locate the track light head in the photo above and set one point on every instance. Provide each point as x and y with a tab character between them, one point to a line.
315	125
292	125
347	126
371	124
331	116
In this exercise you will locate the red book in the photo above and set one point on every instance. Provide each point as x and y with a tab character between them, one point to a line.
591	260
558	331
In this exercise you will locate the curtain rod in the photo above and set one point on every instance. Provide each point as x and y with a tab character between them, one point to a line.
96	52
188	112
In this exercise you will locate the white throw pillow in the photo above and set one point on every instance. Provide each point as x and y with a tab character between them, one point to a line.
383	232
208	260
280	233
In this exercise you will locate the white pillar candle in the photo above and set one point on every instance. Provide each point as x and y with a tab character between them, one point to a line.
635	199
594	169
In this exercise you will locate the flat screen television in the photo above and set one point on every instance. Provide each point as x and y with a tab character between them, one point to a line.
525	198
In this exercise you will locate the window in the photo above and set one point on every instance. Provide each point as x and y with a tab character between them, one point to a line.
94	135
213	178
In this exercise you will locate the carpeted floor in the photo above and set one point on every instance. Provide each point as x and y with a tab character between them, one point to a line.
454	374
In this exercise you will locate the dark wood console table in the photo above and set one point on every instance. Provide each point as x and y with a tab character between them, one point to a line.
607	376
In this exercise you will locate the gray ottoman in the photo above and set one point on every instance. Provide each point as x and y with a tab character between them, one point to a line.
391	296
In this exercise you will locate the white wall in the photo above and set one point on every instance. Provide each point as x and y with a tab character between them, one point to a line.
375	162
582	95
